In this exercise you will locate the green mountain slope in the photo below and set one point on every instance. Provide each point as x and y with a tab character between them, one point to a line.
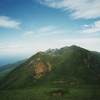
7	68
68	65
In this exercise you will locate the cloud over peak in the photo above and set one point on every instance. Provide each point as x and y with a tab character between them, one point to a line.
7	22
85	9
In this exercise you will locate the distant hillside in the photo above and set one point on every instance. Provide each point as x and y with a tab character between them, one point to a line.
68	65
7	68
62	50
97	53
51	50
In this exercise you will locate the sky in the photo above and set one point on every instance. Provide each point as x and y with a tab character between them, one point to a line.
29	26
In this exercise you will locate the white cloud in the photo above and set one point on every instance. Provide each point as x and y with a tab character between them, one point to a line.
92	28
79	9
44	31
7	22
48	30
81	41
97	24
86	25
88	43
9	46
28	33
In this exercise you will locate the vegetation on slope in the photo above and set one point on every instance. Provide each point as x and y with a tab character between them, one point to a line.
68	65
4	70
74	92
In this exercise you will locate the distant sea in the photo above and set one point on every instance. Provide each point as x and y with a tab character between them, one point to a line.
8	60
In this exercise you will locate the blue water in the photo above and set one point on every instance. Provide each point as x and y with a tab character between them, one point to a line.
11	59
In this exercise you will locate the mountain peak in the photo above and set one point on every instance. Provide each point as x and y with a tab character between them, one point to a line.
41	53
67	65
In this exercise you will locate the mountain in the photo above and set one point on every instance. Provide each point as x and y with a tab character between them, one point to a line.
7	68
68	65
51	50
97	53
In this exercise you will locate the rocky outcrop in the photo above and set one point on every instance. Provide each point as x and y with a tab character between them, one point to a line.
41	69
49	66
58	92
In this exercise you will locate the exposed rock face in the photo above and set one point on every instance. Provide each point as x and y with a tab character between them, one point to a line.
41	69
38	76
58	92
49	66
41	53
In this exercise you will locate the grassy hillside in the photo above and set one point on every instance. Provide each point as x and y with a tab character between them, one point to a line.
74	92
4	70
69	65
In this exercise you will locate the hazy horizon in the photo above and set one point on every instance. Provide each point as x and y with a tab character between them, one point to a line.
29	26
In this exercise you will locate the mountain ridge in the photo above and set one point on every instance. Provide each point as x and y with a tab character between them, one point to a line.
67	65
